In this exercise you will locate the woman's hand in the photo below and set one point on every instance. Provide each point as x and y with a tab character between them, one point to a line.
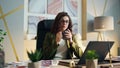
68	35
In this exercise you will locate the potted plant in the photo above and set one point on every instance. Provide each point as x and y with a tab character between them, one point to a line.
37	56
2	55
91	59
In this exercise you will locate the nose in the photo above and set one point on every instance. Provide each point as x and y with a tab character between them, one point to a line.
64	22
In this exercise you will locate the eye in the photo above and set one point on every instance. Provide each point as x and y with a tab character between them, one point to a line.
66	21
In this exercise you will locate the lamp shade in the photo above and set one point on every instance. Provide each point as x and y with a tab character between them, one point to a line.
103	23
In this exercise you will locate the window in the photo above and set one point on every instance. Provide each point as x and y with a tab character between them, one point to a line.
37	10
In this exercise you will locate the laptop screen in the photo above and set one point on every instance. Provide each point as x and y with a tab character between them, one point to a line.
101	47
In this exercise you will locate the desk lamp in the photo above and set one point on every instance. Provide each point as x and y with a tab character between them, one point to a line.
102	24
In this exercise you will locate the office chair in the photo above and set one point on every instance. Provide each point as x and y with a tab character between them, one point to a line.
43	27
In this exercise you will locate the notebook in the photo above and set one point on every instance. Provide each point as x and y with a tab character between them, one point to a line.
102	48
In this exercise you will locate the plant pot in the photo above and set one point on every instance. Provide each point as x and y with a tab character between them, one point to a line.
34	65
91	63
2	59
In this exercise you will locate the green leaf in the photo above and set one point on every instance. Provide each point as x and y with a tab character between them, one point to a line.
91	54
5	33
2	35
35	56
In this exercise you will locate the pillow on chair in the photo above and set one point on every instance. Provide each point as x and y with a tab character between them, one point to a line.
43	27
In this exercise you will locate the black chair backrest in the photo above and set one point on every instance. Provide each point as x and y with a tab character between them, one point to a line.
43	27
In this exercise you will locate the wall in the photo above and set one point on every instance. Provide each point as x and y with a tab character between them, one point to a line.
12	20
106	8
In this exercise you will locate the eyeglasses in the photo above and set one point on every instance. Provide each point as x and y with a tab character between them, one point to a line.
64	21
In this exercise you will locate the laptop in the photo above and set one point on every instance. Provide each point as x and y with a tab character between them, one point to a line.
101	47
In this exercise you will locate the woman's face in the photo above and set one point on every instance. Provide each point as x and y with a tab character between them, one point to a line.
64	22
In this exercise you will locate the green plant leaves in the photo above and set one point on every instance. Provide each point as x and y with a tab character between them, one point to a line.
2	35
38	55
91	54
35	56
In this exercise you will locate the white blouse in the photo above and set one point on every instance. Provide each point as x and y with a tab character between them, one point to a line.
61	50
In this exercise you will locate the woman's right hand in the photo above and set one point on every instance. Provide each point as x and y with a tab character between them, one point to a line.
58	37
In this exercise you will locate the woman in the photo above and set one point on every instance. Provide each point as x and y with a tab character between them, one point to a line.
60	43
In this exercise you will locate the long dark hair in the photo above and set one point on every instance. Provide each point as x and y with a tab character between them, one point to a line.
55	27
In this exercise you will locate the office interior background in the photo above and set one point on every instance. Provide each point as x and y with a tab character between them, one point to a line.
18	17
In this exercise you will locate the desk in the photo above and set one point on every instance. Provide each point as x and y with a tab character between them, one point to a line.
107	65
25	65
115	65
